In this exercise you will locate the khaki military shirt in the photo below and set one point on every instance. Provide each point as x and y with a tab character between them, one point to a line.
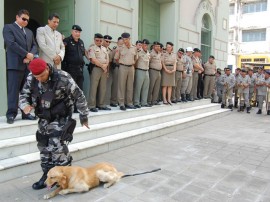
143	60
126	56
196	60
180	64
110	54
100	53
209	69
169	59
155	60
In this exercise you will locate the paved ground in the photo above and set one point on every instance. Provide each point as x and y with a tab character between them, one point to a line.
227	159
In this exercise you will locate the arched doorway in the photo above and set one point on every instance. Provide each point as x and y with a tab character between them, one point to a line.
206	37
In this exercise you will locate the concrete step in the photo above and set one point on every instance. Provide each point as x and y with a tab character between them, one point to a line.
22	128
23	145
22	165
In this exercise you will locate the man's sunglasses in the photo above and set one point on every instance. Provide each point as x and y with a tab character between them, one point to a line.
108	41
25	19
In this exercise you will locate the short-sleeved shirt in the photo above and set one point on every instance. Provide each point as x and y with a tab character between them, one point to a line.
188	65
209	69
143	60
244	80
180	64
126	56
196	60
155	60
100	53
169	58
110	54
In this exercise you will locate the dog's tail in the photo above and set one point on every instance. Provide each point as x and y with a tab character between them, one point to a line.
151	171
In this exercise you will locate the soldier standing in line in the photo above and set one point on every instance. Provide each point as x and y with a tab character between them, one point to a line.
141	82
195	78
179	75
243	90
209	77
262	83
98	78
114	73
237	73
228	82
139	45
252	85
219	86
258	74
155	67
126	56
187	82
52	93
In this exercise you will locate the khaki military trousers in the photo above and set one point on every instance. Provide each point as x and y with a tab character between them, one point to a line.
141	87
176	90
114	87
186	85
227	96
154	86
209	83
125	85
195	78
98	82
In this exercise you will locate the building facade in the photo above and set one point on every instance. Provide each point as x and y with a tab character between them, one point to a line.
197	23
249	32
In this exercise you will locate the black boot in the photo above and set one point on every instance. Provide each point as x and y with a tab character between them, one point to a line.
222	105
188	97
230	106
183	98
248	110
268	112
236	105
41	183
259	111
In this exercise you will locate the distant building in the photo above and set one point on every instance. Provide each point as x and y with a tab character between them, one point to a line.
249	34
197	23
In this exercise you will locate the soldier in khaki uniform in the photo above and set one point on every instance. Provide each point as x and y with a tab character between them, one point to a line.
179	74
155	67
209	77
126	56
98	79
168	73
187	81
243	90
227	81
114	74
141	82
197	69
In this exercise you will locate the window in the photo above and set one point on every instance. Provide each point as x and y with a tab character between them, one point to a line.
246	60
206	37
254	35
255	7
259	59
231	9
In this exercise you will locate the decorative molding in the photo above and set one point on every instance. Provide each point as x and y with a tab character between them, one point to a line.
205	7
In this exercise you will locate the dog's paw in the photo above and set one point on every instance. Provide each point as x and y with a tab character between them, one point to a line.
47	196
63	192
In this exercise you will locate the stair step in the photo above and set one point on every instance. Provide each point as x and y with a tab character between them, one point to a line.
27	164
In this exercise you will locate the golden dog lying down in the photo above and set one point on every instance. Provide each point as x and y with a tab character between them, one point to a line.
77	179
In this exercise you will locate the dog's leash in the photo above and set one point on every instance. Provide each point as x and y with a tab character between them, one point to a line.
152	171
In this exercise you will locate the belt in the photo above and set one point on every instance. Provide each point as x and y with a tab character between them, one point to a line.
196	71
142	69
155	69
168	65
126	65
71	65
179	70
209	74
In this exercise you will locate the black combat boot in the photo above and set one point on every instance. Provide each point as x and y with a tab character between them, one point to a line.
188	97
268	112
222	106
183	98
235	104
41	183
230	106
259	111
248	110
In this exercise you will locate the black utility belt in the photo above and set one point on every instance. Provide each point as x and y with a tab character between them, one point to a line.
179	70
126	65
142	69
155	69
71	65
168	65
210	75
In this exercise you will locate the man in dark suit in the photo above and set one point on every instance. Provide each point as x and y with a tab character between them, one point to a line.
20	50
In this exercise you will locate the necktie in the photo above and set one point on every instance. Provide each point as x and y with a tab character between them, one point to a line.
23	32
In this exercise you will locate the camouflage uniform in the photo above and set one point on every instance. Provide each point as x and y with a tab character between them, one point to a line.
53	151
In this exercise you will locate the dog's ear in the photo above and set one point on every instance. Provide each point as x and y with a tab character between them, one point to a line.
64	181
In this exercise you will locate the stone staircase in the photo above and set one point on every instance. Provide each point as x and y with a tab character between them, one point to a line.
109	130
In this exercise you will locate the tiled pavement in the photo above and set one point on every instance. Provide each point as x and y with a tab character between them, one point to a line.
227	159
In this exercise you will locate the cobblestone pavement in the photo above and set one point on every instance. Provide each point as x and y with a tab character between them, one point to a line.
227	159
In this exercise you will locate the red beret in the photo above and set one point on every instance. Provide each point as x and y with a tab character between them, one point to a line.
37	66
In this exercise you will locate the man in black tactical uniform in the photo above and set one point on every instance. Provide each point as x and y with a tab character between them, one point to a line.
52	93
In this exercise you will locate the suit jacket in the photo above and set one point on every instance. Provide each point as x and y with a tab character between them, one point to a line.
50	44
18	45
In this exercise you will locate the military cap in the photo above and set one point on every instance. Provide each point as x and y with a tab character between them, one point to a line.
211	56
77	27
189	49
267	71
161	45
125	35
107	37
98	35
139	41
156	43
219	71
145	41
181	50
37	66
196	50
119	38
169	43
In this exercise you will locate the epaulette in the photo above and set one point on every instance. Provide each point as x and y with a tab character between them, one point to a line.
114	47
